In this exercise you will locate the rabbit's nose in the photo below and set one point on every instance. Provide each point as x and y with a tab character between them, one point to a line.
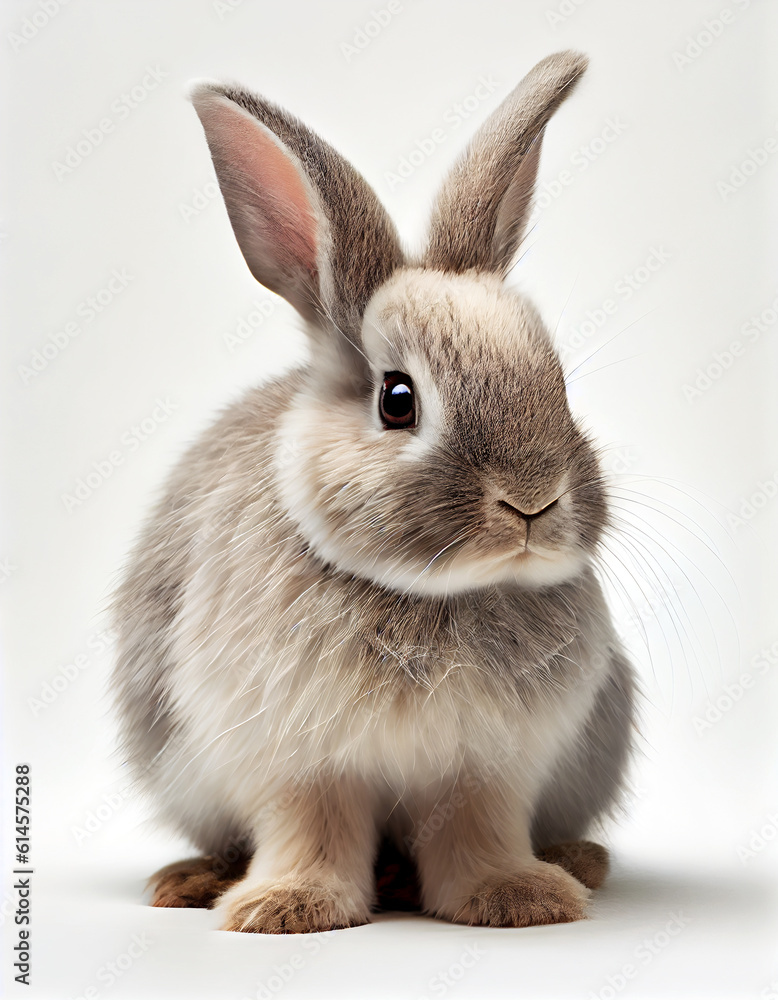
526	515
525	518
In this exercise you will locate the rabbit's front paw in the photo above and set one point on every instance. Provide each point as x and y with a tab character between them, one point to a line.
293	908
542	894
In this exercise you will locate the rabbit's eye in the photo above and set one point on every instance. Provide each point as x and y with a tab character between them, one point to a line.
397	405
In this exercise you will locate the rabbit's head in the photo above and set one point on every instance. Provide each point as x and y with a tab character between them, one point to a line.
429	445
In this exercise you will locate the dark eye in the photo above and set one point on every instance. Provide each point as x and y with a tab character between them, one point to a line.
397	404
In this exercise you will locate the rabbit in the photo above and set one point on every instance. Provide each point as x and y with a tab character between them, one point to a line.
367	610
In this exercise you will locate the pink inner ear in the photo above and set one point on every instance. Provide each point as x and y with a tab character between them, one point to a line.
263	176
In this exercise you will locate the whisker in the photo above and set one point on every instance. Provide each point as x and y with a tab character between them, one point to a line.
619	361
607	342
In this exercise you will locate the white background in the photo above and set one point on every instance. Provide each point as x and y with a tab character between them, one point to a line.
695	470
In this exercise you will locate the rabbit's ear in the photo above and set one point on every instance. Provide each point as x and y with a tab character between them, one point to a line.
479	217
309	226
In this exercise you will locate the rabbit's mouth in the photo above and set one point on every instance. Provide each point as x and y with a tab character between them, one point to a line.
530	567
535	566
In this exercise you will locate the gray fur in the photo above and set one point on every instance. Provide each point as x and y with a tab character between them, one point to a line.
329	631
588	781
361	241
480	214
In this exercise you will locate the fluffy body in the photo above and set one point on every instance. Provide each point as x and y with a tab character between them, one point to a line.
287	683
331	633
